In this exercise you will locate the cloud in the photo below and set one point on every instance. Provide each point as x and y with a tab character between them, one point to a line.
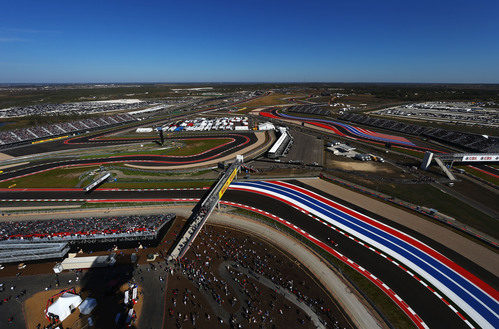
22	30
12	34
3	39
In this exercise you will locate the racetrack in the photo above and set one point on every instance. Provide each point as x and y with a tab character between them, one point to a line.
471	294
365	135
435	287
240	142
392	248
248	150
346	130
28	149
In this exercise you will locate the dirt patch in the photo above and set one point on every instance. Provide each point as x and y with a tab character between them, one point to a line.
270	100
12	165
34	308
358	166
95	212
4	156
38	207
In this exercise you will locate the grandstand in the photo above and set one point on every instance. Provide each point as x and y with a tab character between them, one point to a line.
22	251
282	145
310	109
85	230
460	139
17	136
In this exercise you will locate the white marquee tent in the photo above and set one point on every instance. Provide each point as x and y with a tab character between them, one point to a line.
63	306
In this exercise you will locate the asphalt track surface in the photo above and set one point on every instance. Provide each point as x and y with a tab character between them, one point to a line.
238	141
426	304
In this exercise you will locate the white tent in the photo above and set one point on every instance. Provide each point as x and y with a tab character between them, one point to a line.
63	306
87	306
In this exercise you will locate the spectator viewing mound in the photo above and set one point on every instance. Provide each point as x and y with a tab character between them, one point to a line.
228	278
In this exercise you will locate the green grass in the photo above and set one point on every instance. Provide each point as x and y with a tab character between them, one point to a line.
407	151
144	172
479	174
386	306
188	148
69	177
193	147
431	197
152	137
59	177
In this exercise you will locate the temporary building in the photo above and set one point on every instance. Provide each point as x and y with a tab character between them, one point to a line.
143	130
84	262
87	306
64	305
266	126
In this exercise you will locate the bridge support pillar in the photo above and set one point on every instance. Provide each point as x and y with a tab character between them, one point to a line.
426	160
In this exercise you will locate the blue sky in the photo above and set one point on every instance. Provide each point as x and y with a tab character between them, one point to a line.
249	41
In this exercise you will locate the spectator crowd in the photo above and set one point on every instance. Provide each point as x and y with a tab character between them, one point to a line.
229	272
82	226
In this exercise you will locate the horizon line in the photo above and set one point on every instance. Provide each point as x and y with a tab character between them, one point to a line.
248	82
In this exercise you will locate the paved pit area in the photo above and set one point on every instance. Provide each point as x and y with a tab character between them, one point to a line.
306	148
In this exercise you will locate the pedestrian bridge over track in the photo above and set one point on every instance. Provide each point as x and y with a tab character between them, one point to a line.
203	210
470	157
440	159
